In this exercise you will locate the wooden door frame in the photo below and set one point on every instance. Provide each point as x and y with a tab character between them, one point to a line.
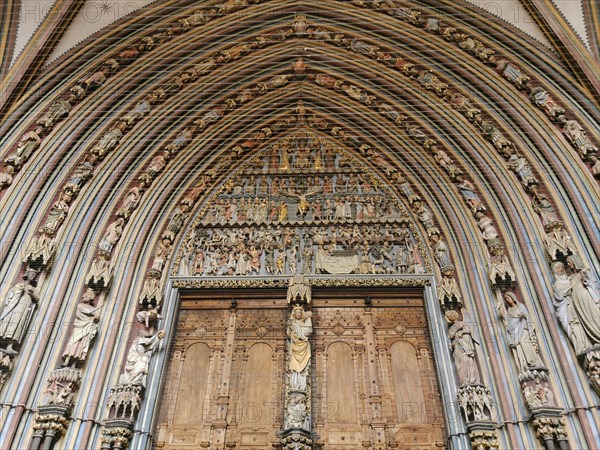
178	288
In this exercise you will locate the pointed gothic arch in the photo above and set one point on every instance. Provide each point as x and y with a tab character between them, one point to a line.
356	59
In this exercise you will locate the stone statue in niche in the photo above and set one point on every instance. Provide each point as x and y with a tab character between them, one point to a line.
299	329
157	164
109	140
440	251
544	208
513	73
463	349
177	220
520	333
141	109
576	134
28	144
163	251
84	331
467	189
521	167
138	358
495	136
565	312
58	214
83	173
130	202
56	111
112	235
585	298
6	177
16	311
544	100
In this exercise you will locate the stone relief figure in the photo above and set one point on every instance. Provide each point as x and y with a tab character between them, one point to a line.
467	189
565	312
84	172
299	329
29	142
544	100
6	177
521	167
109	140
177	219
577	136
544	208
112	235
157	164
538	395
585	298
130	202
57	111
138	358
58	213
440	251
296	413
519	332
84	329
463	349
141	109
16	311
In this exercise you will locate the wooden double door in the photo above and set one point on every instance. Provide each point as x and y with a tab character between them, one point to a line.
373	376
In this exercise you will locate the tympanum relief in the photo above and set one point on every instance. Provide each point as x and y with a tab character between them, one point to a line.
302	206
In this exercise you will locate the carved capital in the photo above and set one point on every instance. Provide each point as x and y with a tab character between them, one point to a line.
484	437
550	427
296	439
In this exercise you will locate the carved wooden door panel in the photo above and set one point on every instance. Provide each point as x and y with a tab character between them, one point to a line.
373	380
225	380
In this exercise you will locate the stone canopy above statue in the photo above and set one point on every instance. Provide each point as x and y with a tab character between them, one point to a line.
302	205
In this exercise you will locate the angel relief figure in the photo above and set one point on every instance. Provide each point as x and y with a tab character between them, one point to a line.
303	204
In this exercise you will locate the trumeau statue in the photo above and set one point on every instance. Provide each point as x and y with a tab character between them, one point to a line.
17	309
299	329
565	311
520	333
138	358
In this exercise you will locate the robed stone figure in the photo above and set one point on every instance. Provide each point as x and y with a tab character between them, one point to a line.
299	330
17	309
